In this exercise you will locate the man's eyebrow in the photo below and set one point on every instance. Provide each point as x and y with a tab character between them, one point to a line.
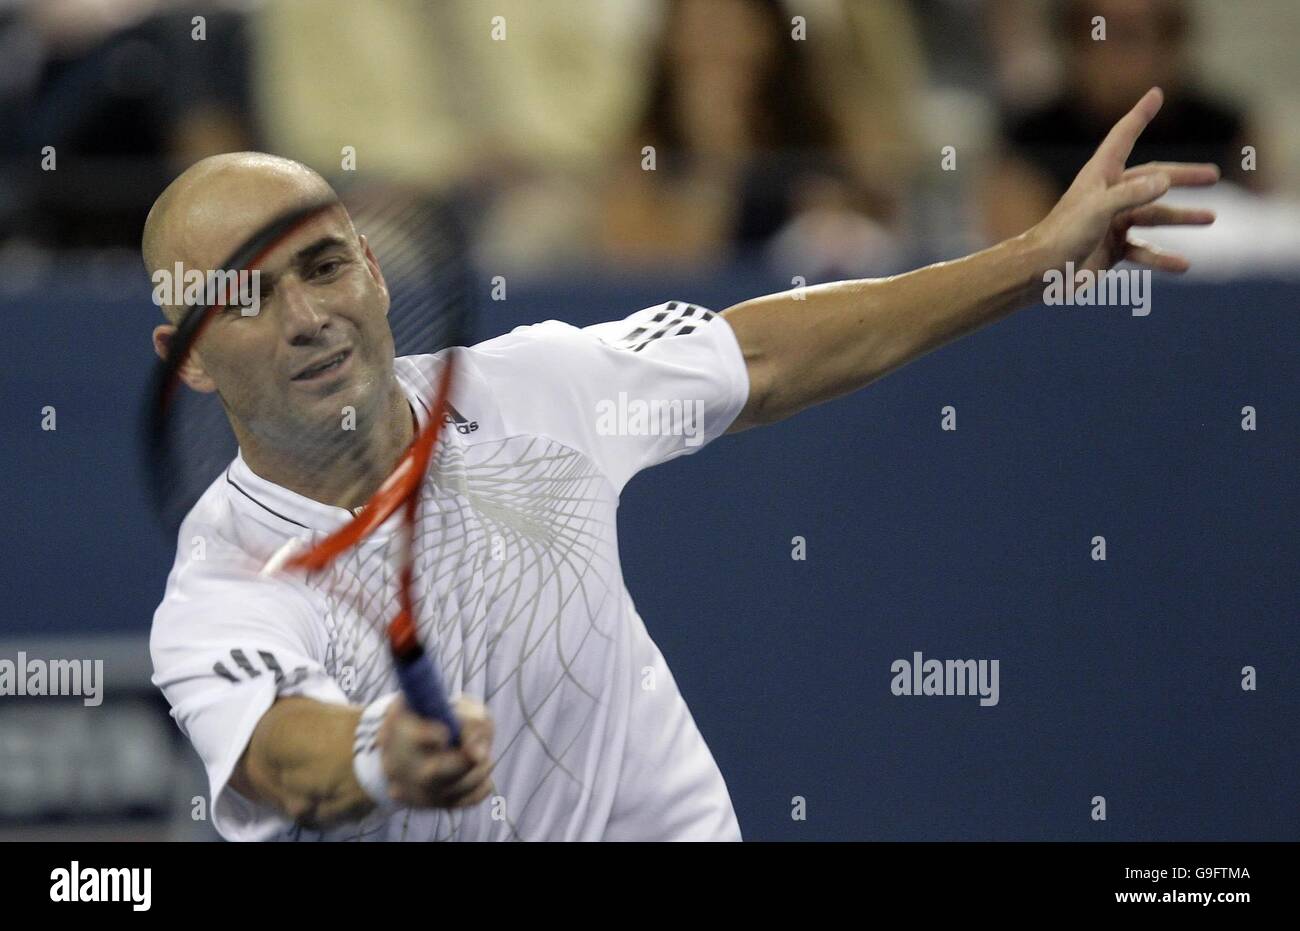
325	243
307	253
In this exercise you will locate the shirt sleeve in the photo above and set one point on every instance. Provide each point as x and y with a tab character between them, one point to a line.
224	648
629	393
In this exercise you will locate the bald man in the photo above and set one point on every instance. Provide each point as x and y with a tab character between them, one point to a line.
577	730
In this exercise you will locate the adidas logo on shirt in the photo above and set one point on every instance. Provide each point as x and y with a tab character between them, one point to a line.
462	425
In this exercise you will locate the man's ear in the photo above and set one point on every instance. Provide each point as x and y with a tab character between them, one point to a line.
192	372
372	263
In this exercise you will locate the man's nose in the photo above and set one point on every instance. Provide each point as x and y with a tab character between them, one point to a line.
301	319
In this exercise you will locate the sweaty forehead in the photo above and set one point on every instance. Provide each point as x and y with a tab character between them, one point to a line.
215	206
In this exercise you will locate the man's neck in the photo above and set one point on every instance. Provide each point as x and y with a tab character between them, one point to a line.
349	473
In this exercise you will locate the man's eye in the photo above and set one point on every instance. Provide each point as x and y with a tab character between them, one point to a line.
327	268
239	310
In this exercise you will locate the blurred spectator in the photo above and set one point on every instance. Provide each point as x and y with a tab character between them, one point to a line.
448	93
126	93
753	146
1146	43
1026	72
1250	51
510	105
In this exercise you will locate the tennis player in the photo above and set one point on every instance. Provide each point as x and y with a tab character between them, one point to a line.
575	729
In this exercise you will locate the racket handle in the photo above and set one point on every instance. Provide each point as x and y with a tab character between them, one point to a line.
422	687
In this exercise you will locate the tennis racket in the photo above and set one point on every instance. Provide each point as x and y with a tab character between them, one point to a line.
188	443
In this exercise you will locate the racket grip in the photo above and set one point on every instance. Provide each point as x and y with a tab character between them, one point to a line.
422	687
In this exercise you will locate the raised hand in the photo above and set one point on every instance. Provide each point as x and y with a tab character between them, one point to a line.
1090	224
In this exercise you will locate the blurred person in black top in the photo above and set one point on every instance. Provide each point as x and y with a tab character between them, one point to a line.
122	92
1147	43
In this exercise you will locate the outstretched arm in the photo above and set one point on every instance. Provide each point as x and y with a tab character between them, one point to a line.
842	336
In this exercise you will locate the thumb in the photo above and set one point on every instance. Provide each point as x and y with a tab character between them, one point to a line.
1137	191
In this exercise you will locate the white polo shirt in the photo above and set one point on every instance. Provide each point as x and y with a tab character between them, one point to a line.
520	596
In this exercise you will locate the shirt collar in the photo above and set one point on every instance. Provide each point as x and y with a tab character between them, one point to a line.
297	512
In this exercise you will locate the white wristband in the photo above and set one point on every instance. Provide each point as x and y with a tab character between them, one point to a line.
367	762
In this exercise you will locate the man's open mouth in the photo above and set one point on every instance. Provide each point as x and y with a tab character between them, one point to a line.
323	366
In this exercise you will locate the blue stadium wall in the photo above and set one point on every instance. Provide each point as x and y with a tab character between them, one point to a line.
1119	678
